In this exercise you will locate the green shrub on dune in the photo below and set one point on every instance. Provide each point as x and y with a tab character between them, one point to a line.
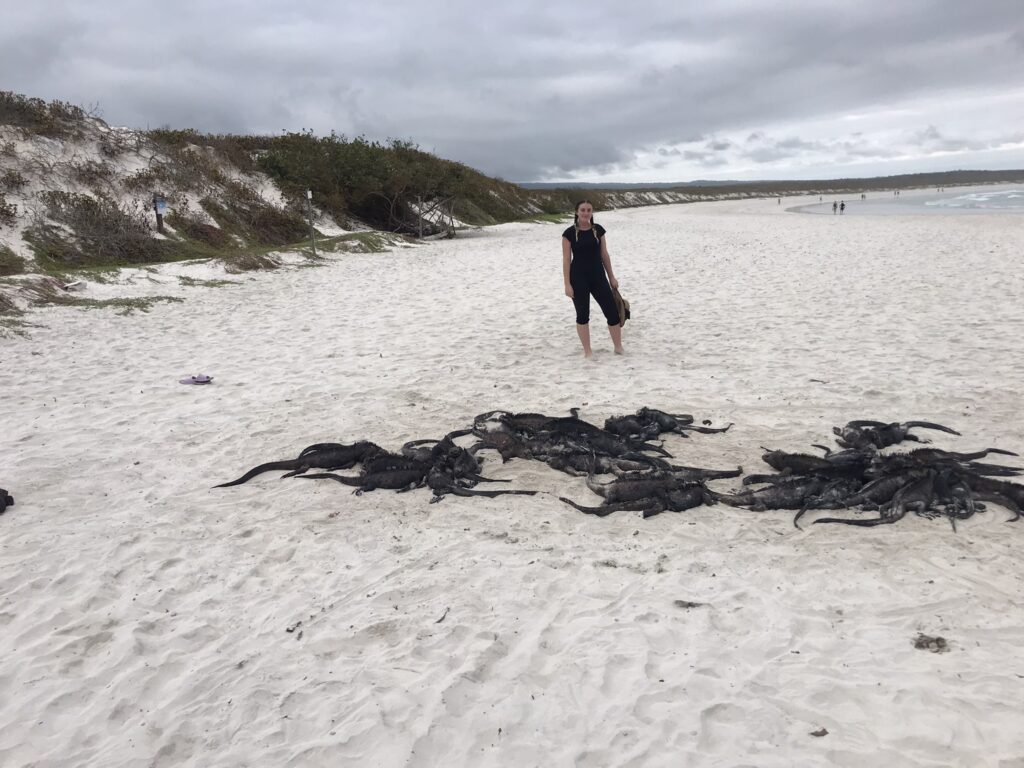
78	230
10	262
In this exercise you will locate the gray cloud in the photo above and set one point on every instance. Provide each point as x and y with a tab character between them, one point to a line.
551	90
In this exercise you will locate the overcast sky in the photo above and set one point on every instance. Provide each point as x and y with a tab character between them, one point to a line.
534	90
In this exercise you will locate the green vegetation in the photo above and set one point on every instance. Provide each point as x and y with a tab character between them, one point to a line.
55	119
12	326
235	151
362	242
11	323
10	262
8	212
82	231
384	185
240	211
123	306
381	184
196	282
248	261
85	232
549	218
12	181
7	307
48	291
192	228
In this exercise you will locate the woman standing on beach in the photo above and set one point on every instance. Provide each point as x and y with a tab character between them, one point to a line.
585	261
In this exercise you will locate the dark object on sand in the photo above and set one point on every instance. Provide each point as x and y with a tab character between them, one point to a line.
935	644
390	479
664	499
6	500
199	378
861	477
687	604
328	456
864	433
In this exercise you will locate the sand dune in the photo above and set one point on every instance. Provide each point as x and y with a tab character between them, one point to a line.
150	620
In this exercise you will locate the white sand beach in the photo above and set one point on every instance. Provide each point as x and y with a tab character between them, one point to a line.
147	619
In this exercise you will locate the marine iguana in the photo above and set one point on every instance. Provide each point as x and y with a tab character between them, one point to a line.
916	495
424	449
629	490
505	443
579	463
320	456
673	500
646	505
864	434
832	496
794	463
1009	495
667	422
787	495
631	427
681	474
444	480
388	479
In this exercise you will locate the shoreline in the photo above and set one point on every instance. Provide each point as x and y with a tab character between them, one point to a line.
883	204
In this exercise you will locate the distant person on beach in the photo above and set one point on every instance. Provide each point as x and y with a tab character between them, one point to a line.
835	207
842	207
585	261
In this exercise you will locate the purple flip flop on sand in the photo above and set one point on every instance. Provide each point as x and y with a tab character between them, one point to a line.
198	379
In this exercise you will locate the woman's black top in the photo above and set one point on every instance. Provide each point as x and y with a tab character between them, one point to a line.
586	250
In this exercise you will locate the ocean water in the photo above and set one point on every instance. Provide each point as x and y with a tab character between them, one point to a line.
990	200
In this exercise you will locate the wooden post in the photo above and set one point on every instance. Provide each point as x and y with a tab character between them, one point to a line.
312	235
158	202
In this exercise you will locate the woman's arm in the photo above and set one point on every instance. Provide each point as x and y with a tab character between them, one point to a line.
566	260
607	261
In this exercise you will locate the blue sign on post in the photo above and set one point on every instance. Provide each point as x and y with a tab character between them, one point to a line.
159	208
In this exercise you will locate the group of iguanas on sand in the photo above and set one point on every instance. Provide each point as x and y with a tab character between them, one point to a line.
928	481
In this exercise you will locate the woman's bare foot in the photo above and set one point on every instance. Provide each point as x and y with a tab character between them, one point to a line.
584	334
620	351
616	334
